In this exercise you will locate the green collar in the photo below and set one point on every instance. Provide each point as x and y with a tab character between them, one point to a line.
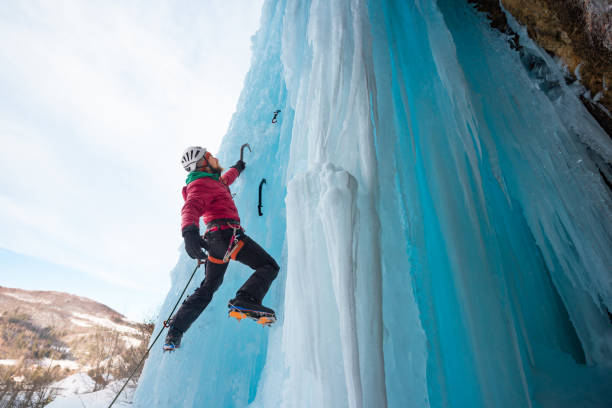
194	175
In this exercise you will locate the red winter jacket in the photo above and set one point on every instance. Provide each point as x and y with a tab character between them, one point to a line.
209	198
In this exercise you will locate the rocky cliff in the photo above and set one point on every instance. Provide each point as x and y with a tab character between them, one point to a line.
578	32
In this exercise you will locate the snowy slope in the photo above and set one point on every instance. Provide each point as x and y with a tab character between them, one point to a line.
73	392
442	227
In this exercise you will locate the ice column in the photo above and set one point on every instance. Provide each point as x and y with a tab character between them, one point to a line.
320	302
331	84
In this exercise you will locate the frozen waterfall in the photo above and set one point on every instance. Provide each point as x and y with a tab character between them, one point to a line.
443	228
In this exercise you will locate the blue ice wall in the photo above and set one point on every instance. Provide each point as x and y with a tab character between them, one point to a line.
493	183
442	226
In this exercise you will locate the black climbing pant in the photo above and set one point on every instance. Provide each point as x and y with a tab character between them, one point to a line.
255	287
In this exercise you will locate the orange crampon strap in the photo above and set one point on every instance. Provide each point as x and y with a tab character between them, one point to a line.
230	255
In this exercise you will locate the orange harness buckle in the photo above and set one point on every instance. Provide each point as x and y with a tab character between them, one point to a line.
235	246
232	254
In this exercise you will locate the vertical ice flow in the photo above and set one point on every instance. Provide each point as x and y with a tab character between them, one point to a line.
337	210
439	215
326	347
333	125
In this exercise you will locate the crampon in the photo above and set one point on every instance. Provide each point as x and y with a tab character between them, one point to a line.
262	318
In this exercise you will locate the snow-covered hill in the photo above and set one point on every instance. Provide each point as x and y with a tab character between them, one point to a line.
63	324
65	343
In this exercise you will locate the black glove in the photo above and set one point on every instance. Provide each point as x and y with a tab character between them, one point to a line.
240	165
194	242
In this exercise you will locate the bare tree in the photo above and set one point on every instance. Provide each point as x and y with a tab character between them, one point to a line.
26	387
104	351
131	355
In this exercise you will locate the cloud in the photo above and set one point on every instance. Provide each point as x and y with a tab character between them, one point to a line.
98	101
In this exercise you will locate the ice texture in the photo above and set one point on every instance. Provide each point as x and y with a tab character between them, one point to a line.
441	222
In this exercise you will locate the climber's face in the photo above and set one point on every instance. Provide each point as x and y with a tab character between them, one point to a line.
212	163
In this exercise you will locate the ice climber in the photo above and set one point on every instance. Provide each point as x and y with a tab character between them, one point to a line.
207	195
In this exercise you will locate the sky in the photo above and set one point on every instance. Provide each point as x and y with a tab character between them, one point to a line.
98	100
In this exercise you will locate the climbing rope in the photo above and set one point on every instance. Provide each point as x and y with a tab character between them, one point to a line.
166	324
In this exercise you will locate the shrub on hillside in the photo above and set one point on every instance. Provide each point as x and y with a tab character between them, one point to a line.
23	386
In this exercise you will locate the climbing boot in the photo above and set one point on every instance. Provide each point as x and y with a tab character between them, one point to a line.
173	340
244	306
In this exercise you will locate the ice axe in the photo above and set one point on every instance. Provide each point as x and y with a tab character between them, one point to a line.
242	150
260	206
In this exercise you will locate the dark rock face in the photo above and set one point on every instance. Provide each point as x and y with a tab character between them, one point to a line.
598	20
579	32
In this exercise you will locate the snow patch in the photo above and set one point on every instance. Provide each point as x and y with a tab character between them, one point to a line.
75	384
69	364
80	323
98	399
26	298
131	342
100	321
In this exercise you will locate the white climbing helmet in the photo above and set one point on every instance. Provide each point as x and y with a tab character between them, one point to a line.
191	156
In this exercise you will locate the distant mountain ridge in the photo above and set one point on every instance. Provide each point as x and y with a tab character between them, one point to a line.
48	303
56	325
38	274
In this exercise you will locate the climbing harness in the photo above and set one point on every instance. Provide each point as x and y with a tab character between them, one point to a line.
259	207
166	324
221	224
276	112
235	245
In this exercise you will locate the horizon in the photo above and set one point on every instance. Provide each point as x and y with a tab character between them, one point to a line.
33	274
